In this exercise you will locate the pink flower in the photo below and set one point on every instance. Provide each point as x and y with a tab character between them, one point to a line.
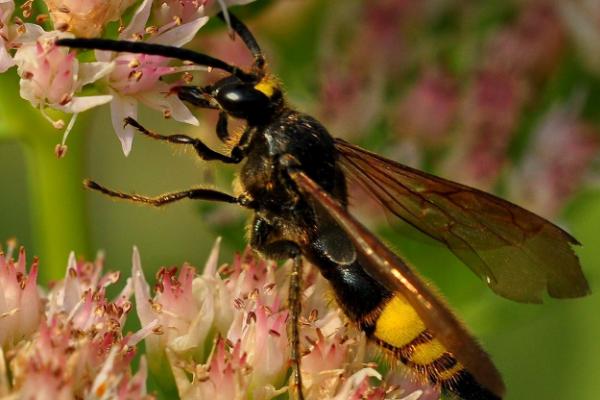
383	27
263	337
13	33
251	277
581	19
250	356
85	18
532	46
558	157
490	115
182	321
348	82
428	111
50	76
178	11
79	350
82	297
136	77
64	362
183	11
20	303
357	387
326	353
7	7
189	309
224	377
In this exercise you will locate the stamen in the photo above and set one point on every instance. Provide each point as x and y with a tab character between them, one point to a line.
69	128
58	124
226	18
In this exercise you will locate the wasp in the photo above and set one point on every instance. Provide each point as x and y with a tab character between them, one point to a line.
294	178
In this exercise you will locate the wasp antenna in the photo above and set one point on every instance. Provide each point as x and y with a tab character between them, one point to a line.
151	49
242	30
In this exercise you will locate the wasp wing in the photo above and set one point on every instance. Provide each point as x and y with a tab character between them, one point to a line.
383	265
519	254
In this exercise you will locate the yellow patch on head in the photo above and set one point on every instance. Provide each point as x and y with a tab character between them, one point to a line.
398	324
266	86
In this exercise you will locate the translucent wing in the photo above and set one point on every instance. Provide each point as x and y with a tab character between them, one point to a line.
520	255
383	265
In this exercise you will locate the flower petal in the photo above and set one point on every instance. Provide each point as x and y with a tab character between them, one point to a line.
210	268
158	101
6	60
141	289
33	31
92	71
80	104
180	35
120	108
138	21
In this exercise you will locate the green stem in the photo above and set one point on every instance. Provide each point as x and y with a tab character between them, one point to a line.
57	204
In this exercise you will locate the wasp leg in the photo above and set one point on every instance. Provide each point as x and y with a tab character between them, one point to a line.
266	240
205	152
262	240
222	130
163	199
295	305
248	39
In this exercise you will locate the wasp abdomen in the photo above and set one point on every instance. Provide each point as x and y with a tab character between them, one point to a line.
398	328
391	322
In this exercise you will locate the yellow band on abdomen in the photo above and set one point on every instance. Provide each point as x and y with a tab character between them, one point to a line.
451	373
398	324
400	329
426	353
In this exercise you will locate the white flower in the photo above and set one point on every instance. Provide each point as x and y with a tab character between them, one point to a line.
7	7
50	75
136	77
85	18
20	304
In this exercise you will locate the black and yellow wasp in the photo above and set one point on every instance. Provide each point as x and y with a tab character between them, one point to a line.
294	178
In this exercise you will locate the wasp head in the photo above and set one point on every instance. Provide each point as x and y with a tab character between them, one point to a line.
255	100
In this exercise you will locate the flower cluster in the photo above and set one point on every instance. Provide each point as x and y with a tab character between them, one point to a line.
221	335
69	342
52	77
238	311
20	303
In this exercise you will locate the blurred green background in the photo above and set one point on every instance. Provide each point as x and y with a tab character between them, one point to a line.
355	65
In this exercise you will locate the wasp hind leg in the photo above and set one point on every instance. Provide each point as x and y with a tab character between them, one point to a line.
295	306
261	240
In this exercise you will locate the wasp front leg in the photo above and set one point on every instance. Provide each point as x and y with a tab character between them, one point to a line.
205	152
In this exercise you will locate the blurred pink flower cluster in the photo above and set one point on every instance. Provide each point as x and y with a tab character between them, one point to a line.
456	98
53	78
219	335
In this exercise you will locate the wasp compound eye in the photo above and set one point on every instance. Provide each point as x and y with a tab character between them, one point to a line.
243	101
